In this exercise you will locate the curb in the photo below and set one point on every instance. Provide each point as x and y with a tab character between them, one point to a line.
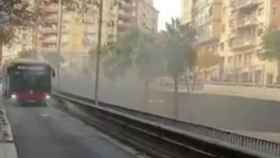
7	144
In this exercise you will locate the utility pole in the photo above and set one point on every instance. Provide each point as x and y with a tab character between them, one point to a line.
99	43
35	28
59	37
59	26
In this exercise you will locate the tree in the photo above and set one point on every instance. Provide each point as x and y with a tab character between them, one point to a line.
54	59
17	13
28	54
179	52
148	60
136	49
271	45
208	59
122	54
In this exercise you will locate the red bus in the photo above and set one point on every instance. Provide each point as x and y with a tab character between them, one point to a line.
27	81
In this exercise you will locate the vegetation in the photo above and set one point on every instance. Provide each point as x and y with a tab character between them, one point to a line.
14	14
135	50
271	45
53	58
208	59
153	55
180	55
27	54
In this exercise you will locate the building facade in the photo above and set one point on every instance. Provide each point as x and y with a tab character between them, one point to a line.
122	15
46	32
234	30
186	11
72	33
207	19
118	17
80	28
146	15
248	22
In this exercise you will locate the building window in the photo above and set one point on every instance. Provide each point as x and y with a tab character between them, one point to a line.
222	46
260	11
260	32
274	11
210	11
230	61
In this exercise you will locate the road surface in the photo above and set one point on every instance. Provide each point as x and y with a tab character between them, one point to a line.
45	132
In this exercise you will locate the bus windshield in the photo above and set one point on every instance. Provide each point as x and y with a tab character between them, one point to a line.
31	80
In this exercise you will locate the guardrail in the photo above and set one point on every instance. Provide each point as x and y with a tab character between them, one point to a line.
215	141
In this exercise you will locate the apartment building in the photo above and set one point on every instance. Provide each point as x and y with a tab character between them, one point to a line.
135	13
118	17
146	15
186	11
234	30
207	19
48	27
249	21
80	32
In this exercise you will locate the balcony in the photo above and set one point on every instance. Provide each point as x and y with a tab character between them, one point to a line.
207	37
125	16
49	40
125	5
48	31
243	4
49	22
49	9
245	22
243	43
89	20
48	48
53	18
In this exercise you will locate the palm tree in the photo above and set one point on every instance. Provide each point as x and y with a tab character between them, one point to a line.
179	52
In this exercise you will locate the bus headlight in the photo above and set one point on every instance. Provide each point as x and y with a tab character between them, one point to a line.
14	96
48	97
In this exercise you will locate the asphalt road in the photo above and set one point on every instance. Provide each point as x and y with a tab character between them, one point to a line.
45	132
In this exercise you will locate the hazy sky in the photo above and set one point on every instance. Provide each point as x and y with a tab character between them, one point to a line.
168	9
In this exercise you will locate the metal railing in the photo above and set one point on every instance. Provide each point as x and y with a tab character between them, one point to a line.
227	140
238	4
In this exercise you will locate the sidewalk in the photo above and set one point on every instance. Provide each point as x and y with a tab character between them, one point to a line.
7	145
263	93
272	94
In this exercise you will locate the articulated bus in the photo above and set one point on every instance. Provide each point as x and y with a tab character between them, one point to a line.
27	81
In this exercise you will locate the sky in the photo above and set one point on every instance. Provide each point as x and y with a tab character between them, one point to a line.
167	9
